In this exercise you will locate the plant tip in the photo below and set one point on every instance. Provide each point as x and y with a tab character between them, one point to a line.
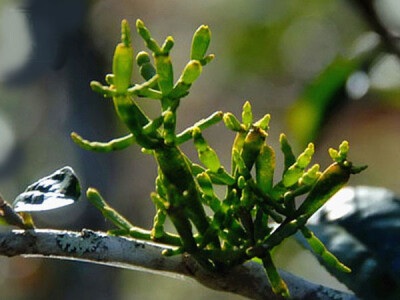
125	33
142	58
91	191
139	23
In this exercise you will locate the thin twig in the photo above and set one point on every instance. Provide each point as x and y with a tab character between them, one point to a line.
390	39
9	215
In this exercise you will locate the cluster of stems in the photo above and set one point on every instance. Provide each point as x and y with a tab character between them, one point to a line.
256	214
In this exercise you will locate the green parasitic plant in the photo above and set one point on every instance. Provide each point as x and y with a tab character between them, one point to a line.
256	214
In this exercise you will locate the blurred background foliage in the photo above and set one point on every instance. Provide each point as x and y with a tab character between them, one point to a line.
313	64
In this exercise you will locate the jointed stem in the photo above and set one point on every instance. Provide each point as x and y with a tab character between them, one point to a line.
202	124
126	228
240	228
113	145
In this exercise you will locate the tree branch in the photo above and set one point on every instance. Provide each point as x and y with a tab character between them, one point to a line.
248	280
391	39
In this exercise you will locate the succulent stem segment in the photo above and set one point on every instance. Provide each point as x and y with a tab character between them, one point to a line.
242	224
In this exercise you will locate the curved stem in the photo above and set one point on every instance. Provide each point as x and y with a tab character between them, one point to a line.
113	145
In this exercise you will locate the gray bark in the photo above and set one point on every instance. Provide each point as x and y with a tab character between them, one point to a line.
248	280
